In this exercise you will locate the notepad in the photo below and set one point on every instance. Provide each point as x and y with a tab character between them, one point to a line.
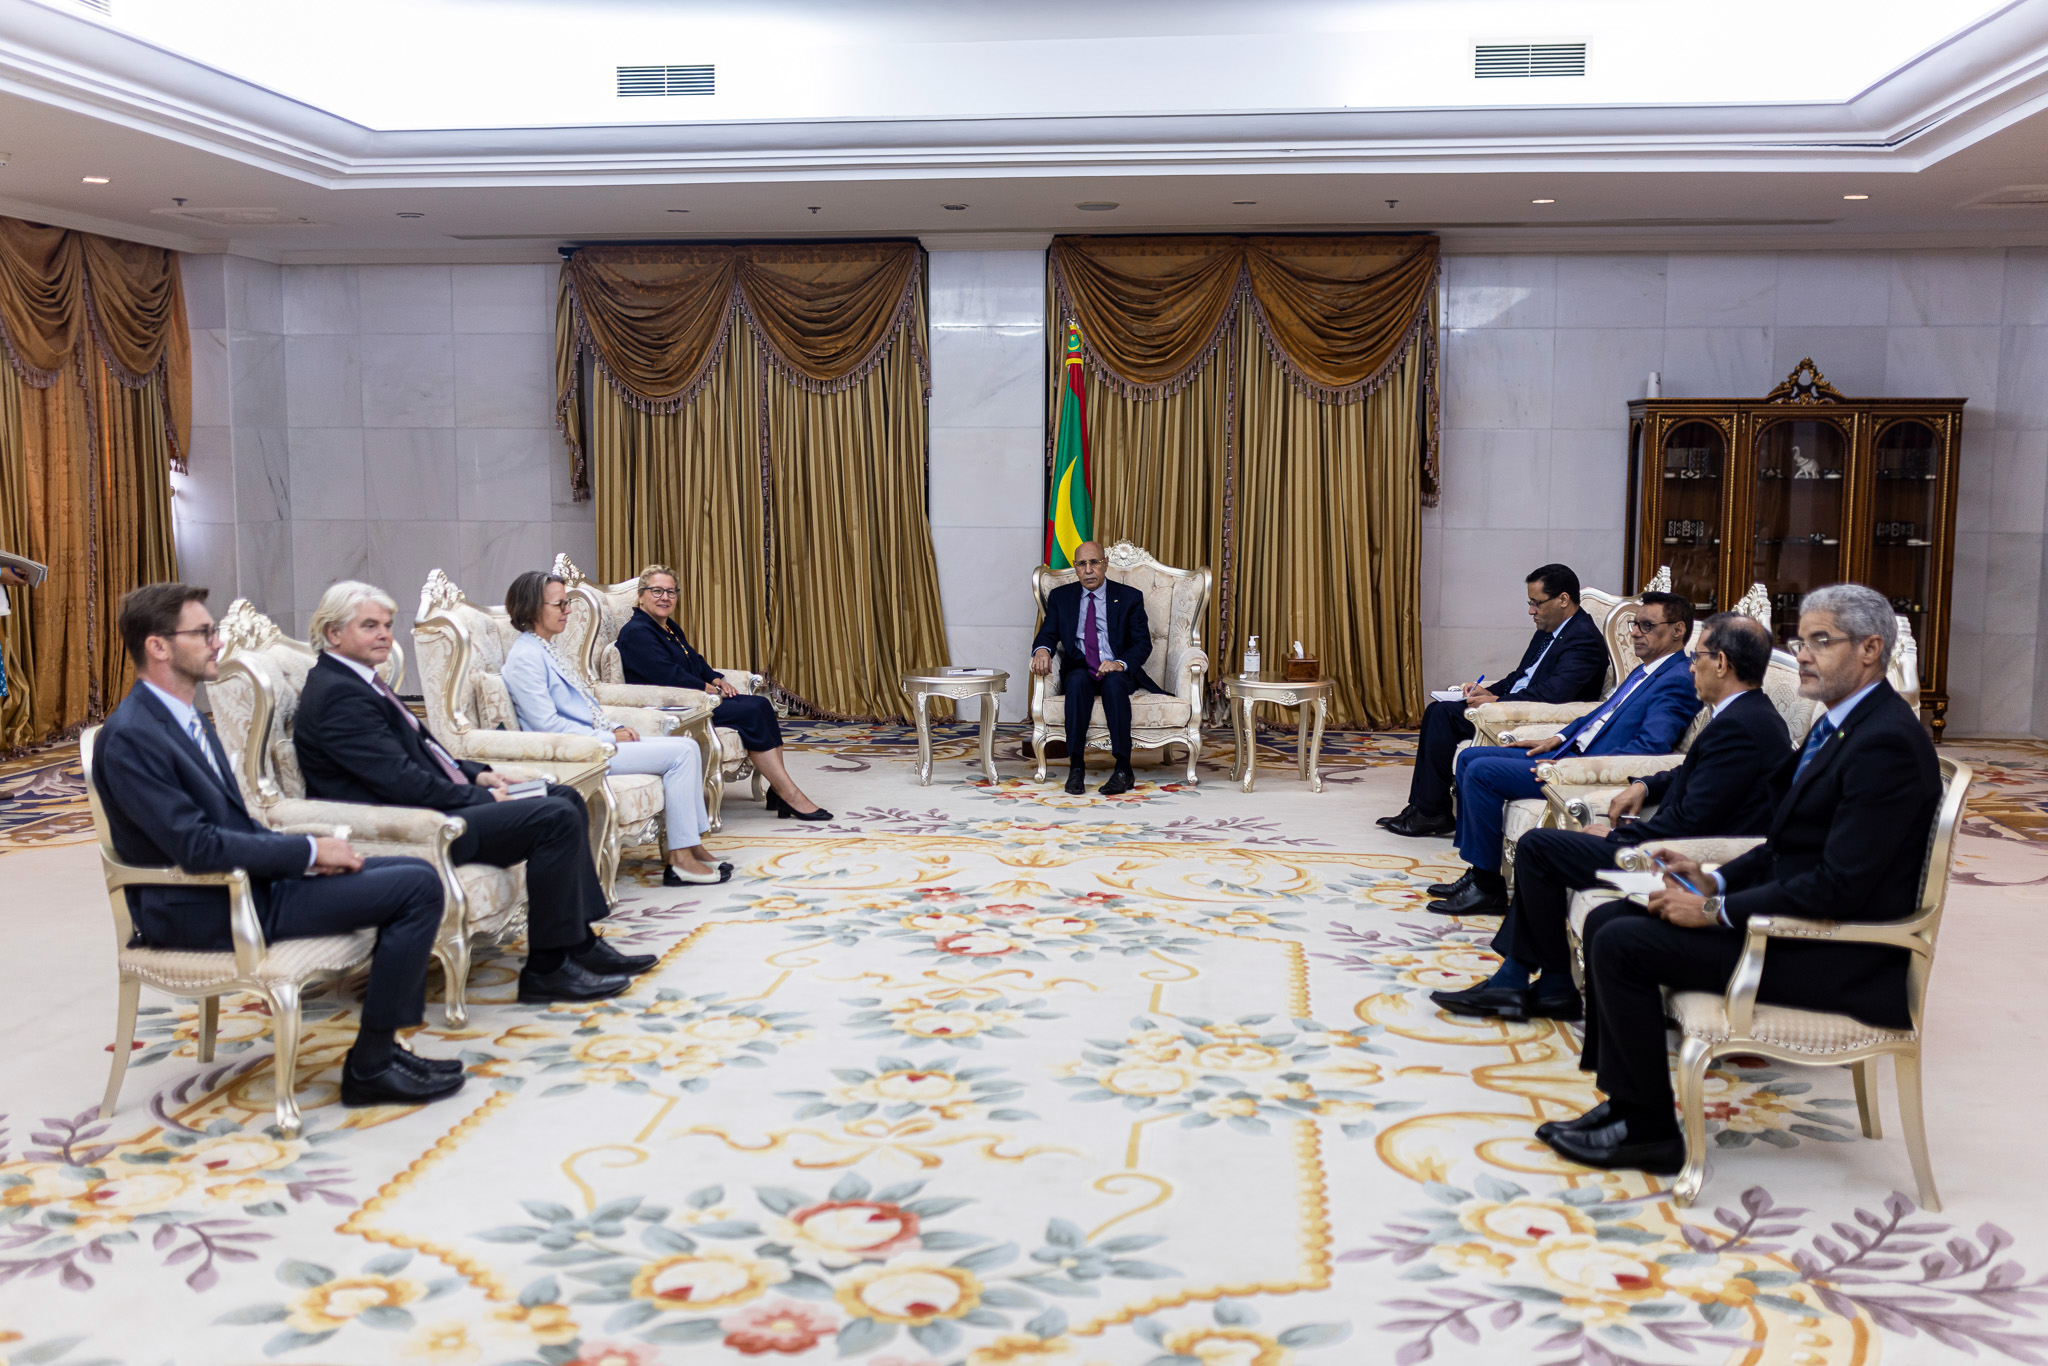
1448	695
968	673
1632	884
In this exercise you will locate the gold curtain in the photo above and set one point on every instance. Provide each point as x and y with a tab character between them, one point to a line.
757	420
1266	406
95	405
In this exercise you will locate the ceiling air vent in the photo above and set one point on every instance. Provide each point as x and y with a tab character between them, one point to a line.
667	80
1494	61
2010	197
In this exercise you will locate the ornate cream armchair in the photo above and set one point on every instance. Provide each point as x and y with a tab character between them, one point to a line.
1496	722
279	975
1174	602
460	650
596	615
255	703
1716	1024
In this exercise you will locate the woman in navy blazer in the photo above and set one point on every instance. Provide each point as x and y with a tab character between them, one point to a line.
654	652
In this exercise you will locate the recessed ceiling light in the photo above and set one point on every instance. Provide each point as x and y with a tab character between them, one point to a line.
1095	206
405	213
1244	203
954	207
96	180
1855	196
1543	201
678	210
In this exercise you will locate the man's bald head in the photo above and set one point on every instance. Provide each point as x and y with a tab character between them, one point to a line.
1089	565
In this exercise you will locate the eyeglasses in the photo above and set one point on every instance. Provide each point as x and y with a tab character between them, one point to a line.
556	605
659	592
1639	627
1814	644
212	633
1090	564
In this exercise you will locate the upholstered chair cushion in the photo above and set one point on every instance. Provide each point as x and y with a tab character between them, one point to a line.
191	972
497	896
1704	1015
637	796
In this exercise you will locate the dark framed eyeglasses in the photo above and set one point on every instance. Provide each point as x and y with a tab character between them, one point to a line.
1090	564
212	633
660	592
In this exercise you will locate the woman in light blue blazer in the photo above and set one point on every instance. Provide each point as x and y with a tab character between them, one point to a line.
548	696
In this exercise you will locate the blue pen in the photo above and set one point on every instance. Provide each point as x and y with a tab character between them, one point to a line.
1665	869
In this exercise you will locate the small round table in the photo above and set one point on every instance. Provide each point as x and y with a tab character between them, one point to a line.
1245	693
920	688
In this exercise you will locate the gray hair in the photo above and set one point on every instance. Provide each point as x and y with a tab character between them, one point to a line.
339	605
1857	610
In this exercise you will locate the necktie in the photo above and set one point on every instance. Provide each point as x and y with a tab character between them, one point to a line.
1815	738
199	739
1606	713
1089	648
449	769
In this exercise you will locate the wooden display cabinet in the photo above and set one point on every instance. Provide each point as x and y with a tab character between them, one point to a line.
1802	487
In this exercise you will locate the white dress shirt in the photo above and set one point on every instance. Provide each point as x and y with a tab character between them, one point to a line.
1629	687
187	718
1530	672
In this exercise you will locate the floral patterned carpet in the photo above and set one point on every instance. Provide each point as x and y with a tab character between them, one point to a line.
989	1074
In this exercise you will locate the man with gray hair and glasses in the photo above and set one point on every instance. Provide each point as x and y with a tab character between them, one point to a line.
1851	810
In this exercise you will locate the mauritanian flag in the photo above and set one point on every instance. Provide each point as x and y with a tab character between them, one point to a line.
1070	512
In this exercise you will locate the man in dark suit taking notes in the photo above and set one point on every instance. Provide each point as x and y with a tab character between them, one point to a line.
1100	630
170	797
1566	662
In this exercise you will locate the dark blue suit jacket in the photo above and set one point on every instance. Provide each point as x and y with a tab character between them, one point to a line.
1130	636
1574	671
659	658
165	806
1653	718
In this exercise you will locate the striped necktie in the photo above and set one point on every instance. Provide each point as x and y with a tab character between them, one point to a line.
1815	738
199	739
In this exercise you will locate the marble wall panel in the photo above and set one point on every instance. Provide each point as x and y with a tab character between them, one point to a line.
1500	291
1611	291
1834	289
1483	586
263	567
495	553
988	377
257	376
410	474
1589	480
1855	355
986	289
1498	377
985	574
416	299
505	298
987	476
213	388
1597	370
995	647
263	488
1947	288
323	381
206	557
502	475
505	380
324	553
2019	481
255	295
326	466
408	380
321	300
1718	362
1720	289
205	282
2005	702
206	491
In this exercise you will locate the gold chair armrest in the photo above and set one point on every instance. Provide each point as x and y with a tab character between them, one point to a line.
1041	690
1703	851
366	824
1606	770
1759	930
1577	806
746	682
243	926
1511	713
648	696
534	746
1525	732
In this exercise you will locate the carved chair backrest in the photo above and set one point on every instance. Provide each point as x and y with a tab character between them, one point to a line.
117	899
596	616
461	650
1174	602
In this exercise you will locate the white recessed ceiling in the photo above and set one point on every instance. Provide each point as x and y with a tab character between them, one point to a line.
492	129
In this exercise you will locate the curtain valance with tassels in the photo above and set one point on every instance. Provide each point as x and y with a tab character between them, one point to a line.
657	319
95	411
1337	314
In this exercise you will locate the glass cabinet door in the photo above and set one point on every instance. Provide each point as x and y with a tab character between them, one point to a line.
1797	543
1904	506
1695	459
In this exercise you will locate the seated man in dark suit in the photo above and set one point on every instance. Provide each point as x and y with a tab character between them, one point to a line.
1647	714
358	743
1851	814
1566	662
170	797
1722	788
1100	631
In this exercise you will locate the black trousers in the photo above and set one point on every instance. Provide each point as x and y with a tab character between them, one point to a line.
1549	866
1630	954
1443	726
401	897
551	835
1081	689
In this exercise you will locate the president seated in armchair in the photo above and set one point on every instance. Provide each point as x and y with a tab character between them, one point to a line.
1100	631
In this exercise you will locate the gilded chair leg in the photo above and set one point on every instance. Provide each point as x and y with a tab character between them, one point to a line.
1906	1072
759	783
1194	749
1693	1058
284	1031
209	1026
714	796
453	952
1038	738
124	1041
1865	1076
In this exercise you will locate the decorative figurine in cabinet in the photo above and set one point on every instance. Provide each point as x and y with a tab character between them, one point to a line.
1802	487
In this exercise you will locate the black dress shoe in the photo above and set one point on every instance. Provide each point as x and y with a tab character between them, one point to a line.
1472	901
1452	888
1403	814
1592	1119
1120	782
1077	781
601	957
1419	824
570	982
1509	1003
1610	1146
821	814
394	1084
788	812
428	1067
671	878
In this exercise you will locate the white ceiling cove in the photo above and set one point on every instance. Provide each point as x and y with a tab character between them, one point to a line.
494	129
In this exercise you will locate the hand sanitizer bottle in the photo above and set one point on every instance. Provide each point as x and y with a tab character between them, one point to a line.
1251	658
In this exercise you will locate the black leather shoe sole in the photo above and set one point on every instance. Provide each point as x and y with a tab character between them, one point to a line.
570	982
394	1084
1424	827
1592	1119
1471	901
1663	1157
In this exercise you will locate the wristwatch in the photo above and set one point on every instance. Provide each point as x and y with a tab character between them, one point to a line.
1712	906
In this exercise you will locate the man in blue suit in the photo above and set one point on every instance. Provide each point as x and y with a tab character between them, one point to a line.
1100	630
1647	714
170	797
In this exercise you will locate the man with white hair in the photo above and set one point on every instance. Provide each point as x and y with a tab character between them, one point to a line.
1851	810
358	743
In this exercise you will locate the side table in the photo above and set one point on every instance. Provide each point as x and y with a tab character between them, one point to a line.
1245	693
920	688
